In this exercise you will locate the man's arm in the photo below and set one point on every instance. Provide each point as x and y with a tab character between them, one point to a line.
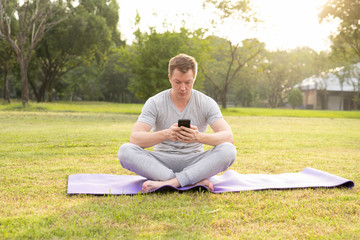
142	136
222	133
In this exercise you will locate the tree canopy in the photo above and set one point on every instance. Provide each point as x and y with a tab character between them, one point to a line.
347	40
148	59
72	50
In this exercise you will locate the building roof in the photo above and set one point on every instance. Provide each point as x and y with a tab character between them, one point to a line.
330	81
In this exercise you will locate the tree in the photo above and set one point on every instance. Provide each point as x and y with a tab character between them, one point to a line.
33	23
149	57
243	91
343	75
348	36
82	83
355	73
115	77
275	68
6	57
295	98
225	62
322	64
281	70
224	10
82	38
109	10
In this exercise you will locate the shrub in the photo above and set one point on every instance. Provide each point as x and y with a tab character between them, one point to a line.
295	98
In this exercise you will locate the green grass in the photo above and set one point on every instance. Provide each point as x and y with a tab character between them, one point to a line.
106	107
40	148
290	113
97	107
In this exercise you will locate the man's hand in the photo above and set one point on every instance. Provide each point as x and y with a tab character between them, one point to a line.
188	135
173	132
222	133
143	137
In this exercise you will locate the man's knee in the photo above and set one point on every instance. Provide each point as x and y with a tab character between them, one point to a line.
125	152
228	152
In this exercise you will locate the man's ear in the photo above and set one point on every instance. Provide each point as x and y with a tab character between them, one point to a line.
169	77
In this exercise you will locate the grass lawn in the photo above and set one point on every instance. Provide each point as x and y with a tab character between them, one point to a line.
42	145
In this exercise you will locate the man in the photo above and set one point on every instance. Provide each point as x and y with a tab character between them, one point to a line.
178	158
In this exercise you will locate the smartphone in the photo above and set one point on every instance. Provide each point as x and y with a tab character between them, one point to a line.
184	122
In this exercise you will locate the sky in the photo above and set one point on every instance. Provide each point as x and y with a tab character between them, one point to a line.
287	24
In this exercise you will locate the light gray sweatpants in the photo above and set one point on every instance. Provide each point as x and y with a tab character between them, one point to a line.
187	168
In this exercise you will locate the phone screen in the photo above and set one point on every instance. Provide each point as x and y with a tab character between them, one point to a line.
184	122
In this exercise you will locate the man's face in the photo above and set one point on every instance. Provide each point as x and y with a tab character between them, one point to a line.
182	83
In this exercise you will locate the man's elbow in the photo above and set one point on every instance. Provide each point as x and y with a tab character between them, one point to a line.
133	140
227	137
231	139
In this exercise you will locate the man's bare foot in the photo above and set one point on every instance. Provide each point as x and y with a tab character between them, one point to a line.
206	183
149	185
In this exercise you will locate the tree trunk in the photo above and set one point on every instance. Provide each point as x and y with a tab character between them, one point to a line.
341	104
324	99
223	99
24	82
272	98
33	18
6	82
32	85
50	94
42	92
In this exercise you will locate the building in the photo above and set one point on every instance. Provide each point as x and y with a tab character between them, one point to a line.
327	92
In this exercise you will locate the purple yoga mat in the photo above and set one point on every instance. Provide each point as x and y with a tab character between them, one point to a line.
230	181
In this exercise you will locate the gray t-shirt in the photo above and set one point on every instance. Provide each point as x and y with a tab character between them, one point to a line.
160	112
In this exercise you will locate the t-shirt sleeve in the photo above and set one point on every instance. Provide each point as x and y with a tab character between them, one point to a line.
213	111
148	113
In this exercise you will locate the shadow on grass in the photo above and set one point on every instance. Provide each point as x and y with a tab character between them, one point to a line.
20	107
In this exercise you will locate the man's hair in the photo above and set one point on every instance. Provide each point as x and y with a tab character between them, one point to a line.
183	63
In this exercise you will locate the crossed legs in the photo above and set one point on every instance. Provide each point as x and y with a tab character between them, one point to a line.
161	168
